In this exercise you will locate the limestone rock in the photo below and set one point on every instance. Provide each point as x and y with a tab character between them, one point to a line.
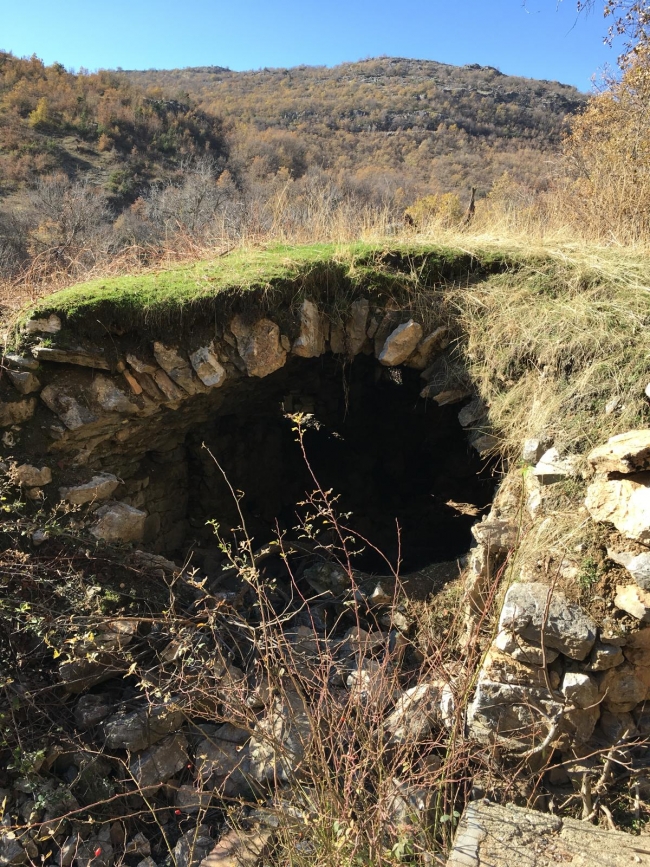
533	450
484	443
337	339
139	365
16	411
310	342
604	657
638	565
408	804
623	502
95	852
371	683
280	740
193	847
51	325
138	845
579	723
498	536
167	387
78	675
222	753
324	577
400	343
512	713
615	725
78	357
132	382
208	368
552	468
355	327
633	600
160	762
108	397
239	848
414	715
568	628
177	368
524	651
509	836
385	327
427	347
637	648
191	799
24	381
472	413
625	453
580	689
119	523
622	688
141	728
20	362
72	413
11	851
29	476
500	667
444	398
100	487
91	710
259	346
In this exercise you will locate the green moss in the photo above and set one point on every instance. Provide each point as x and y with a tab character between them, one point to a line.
267	277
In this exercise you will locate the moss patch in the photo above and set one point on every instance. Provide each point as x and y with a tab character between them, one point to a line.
247	279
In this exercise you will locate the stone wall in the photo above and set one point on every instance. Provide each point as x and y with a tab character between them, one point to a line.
109	424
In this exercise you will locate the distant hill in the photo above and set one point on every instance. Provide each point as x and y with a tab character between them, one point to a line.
415	119
100	126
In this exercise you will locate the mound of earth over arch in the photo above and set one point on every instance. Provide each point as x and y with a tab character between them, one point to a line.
116	385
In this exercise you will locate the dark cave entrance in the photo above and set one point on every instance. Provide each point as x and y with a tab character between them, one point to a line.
392	457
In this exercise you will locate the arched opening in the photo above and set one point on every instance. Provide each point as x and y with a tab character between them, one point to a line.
406	478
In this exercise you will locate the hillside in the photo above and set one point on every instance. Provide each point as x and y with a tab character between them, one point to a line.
94	126
415	119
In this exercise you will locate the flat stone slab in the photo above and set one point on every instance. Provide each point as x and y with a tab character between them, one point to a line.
491	835
625	453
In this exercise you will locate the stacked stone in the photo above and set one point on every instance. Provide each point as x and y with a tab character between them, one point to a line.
96	406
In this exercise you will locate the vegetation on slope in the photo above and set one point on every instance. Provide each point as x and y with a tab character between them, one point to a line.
95	126
384	120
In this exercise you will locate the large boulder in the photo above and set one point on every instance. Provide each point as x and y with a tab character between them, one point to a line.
280	740
566	626
160	762
623	688
552	468
634	601
119	523
415	713
628	452
310	342
100	487
259	346
177	368
355	327
400	343
141	728
16	411
207	367
625	503
29	476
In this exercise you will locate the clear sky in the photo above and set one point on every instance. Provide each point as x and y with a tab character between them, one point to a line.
535	38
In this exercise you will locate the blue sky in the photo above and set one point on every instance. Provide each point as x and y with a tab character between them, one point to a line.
535	38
